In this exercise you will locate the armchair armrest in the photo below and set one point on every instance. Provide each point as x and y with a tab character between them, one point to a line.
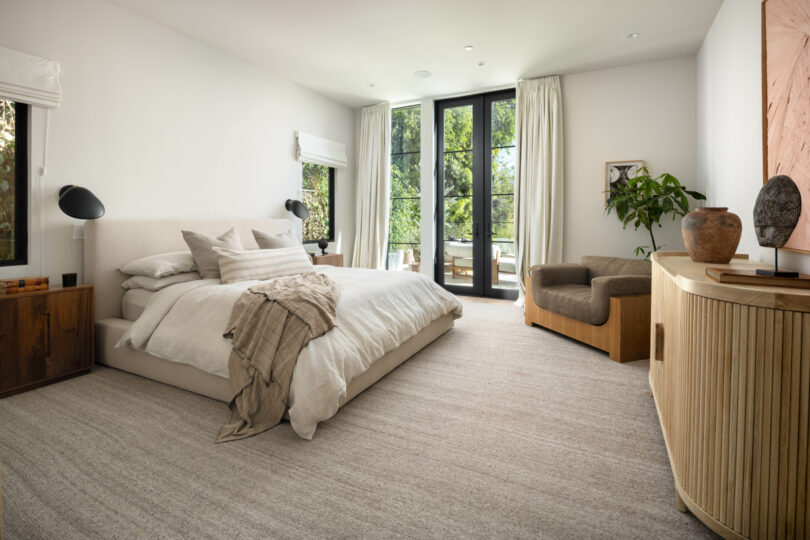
545	275
607	286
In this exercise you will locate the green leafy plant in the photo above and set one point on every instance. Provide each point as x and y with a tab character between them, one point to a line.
644	200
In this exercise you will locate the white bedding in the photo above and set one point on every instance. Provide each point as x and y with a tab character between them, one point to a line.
377	311
134	303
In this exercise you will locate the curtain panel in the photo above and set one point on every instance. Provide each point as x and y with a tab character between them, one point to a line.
29	79
539	175
373	187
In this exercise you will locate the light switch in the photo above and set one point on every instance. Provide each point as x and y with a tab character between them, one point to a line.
78	231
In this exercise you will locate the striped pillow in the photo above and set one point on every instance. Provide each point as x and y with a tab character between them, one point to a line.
236	265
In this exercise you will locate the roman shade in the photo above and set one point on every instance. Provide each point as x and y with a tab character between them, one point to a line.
320	151
26	78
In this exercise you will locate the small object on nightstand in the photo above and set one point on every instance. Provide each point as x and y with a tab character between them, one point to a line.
323	243
45	337
69	280
333	259
20	285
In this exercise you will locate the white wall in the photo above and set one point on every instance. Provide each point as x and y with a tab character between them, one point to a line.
730	120
642	111
160	126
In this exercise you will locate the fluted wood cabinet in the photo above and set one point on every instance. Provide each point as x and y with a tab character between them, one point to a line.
730	374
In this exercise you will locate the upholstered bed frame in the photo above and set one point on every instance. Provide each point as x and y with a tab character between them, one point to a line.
110	243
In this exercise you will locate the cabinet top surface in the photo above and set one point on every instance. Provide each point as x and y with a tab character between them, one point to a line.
691	277
49	291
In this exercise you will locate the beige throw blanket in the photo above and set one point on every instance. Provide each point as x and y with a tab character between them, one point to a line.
270	324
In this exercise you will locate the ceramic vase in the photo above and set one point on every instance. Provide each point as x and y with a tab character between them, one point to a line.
711	235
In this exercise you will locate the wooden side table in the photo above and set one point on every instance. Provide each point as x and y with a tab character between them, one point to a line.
45	337
333	259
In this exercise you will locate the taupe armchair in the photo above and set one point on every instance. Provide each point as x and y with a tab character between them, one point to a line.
603	301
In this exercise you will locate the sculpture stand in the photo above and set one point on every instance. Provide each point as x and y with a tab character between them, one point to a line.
776	272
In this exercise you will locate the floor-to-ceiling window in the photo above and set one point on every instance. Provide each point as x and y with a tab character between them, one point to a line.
404	223
475	194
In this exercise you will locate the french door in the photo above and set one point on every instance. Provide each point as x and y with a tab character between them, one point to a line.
475	195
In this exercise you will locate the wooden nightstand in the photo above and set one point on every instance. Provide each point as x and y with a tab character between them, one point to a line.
333	259
45	336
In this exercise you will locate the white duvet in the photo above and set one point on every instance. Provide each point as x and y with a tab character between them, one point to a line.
377	311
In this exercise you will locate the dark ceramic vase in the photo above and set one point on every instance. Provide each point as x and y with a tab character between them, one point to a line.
711	235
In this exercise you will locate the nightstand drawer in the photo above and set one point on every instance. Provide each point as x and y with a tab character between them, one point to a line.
45	336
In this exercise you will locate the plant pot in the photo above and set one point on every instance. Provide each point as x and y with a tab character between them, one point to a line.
711	235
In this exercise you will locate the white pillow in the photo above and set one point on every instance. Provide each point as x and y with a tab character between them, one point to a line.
237	265
162	265
155	284
275	241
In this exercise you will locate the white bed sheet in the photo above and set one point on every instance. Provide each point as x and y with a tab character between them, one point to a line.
134	303
377	311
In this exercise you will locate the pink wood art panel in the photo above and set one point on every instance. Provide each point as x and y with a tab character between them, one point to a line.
786	96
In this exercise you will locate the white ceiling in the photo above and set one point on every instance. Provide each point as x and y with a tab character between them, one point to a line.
339	47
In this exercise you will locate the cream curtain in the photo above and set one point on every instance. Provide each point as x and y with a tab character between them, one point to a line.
373	187
539	175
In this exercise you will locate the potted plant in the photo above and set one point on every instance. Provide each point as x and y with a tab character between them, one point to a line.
644	200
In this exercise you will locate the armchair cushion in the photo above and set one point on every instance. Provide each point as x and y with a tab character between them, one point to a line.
602	288
615	266
545	275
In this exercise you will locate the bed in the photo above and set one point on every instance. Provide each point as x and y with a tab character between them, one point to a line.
111	243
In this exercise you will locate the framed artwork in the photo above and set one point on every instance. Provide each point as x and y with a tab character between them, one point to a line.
618	173
786	102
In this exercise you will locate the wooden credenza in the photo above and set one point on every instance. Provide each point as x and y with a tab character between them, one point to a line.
730	374
45	337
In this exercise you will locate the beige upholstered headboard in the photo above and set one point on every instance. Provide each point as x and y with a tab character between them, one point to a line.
109	243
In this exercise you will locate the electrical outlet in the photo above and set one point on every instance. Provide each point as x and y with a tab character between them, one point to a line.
78	231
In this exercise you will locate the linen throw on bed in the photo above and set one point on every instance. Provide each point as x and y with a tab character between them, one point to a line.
269	325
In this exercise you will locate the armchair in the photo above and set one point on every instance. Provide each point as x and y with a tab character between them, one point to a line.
603	302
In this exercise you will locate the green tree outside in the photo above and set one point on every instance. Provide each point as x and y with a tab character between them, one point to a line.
315	188
7	178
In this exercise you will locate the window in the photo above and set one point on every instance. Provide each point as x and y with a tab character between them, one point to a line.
404	221
319	197
13	183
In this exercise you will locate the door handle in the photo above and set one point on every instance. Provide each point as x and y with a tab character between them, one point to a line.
475	230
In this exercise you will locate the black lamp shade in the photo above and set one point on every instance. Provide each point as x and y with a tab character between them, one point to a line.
80	203
297	208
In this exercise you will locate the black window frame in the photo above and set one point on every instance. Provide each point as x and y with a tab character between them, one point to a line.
331	237
21	111
393	154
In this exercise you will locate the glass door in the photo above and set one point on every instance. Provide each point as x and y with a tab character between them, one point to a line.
475	195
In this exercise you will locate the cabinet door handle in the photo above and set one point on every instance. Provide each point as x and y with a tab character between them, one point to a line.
48	335
659	342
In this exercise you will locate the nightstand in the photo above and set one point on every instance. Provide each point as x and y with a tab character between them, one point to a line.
333	259
45	337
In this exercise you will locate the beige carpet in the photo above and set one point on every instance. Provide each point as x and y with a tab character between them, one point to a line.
496	430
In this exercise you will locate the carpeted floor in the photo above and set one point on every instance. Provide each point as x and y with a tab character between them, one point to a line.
495	430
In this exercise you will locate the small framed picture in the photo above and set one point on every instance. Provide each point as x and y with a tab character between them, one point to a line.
618	173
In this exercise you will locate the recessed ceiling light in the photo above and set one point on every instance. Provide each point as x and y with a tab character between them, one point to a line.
632	35
481	63
422	74
468	48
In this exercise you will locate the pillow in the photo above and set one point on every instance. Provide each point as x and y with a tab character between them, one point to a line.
202	249
262	263
155	284
275	241
158	266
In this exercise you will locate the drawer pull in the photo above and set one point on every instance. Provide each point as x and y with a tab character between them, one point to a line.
47	335
659	342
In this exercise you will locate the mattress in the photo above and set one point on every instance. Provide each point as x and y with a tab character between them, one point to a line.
134	302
